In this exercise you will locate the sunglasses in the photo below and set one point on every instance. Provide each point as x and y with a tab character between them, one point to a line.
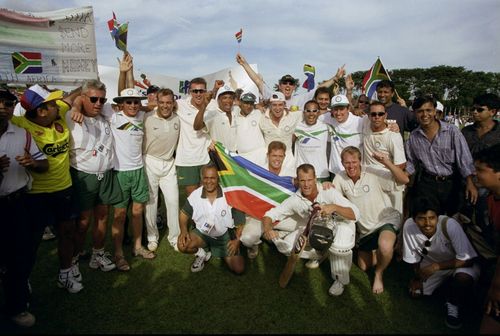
478	109
198	91
377	114
312	111
427	243
363	101
130	102
8	103
94	100
288	82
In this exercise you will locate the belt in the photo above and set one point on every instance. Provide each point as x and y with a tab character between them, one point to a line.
13	195
436	177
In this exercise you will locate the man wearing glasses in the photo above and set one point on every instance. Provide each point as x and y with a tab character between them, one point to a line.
287	85
91	160
438	248
377	138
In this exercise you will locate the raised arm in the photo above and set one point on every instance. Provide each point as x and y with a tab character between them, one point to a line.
340	73
126	77
250	72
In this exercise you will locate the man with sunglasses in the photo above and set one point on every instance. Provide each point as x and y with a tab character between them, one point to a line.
377	138
91	159
287	85
18	156
438	249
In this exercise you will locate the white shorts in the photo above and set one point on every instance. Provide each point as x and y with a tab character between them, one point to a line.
435	280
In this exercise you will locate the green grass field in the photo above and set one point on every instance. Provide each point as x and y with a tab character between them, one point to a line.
163	296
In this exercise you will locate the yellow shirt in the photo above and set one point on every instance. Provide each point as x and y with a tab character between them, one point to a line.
53	141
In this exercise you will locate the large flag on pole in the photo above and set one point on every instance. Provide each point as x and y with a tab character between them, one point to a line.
373	77
118	33
247	186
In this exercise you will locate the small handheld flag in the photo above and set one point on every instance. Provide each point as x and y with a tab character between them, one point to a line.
239	35
373	77
118	33
310	72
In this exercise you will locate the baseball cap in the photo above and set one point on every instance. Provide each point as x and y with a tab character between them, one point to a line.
224	89
6	94
277	97
340	100
152	89
439	106
37	95
129	93
248	97
287	78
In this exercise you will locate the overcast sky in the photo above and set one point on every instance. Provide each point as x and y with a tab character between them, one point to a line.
188	38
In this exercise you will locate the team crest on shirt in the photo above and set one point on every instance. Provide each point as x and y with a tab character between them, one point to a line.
107	130
176	126
254	123
223	213
366	188
287	128
377	144
59	127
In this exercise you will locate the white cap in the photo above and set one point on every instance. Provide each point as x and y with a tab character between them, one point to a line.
277	97
439	106
224	89
340	100
129	93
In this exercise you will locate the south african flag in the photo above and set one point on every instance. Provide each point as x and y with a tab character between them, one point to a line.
26	62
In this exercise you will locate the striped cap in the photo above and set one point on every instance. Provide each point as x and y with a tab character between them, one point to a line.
36	96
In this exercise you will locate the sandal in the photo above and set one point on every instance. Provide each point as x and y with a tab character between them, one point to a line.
121	264
143	253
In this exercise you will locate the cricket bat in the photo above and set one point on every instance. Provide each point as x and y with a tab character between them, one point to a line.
298	246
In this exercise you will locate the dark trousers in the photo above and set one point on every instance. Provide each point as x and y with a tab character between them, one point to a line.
15	247
445	193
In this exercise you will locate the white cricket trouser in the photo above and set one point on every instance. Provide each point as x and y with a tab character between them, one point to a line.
162	173
252	231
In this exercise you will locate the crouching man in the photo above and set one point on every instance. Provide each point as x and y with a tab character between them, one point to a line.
218	225
331	202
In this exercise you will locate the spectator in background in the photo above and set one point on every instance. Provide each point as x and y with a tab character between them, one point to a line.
439	111
323	96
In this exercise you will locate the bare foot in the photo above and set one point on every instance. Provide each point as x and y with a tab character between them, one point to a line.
378	284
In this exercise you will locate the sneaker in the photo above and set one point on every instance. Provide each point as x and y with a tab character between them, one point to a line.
24	319
101	260
336	289
253	251
453	320
65	280
47	234
199	262
75	272
152	246
312	263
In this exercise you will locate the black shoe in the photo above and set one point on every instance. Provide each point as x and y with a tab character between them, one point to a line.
453	320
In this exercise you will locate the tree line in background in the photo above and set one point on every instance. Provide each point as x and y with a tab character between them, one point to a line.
455	87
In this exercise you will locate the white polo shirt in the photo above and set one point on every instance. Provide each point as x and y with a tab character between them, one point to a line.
284	131
128	133
221	128
91	144
160	135
370	195
249	137
348	133
441	249
386	142
192	149
310	146
13	143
